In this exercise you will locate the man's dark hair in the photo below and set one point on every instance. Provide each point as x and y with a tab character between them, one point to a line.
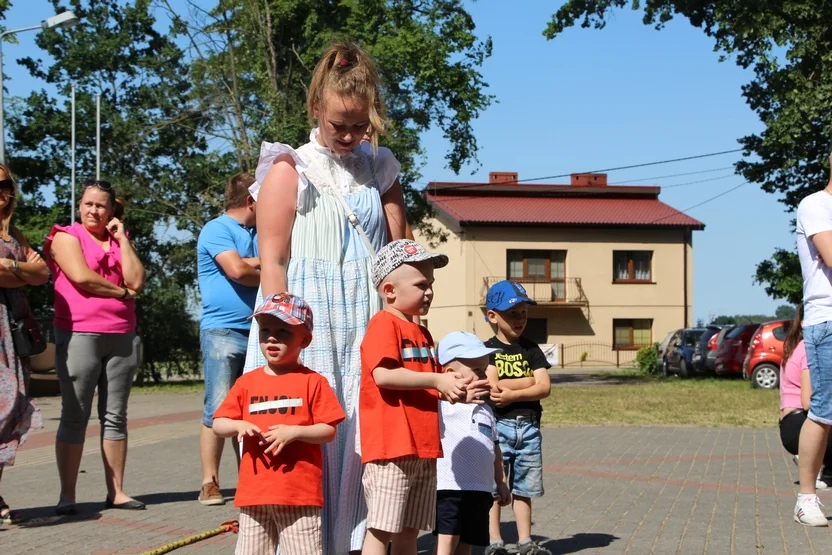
236	192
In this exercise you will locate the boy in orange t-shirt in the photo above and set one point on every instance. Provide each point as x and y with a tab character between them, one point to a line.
281	413
398	407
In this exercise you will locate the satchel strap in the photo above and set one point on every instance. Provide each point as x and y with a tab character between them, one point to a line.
352	218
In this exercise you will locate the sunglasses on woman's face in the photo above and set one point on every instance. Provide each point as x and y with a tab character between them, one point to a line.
7	184
103	185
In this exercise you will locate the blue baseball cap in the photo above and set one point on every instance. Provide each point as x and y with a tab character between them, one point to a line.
505	294
461	344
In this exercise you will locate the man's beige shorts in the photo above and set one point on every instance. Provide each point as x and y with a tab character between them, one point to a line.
401	493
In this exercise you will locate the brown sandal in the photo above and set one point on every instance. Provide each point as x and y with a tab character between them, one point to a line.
7	515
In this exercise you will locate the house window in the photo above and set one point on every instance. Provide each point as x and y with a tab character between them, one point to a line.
632	266
538	267
632	334
537	330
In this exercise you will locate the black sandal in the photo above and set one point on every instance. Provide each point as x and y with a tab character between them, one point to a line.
7	515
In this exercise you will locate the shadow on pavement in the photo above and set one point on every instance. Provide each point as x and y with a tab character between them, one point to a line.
578	542
565	377
574	544
38	517
161	498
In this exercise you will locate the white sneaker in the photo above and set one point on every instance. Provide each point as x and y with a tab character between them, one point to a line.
821	484
809	513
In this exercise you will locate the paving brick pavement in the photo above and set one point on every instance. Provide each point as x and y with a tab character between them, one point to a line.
636	490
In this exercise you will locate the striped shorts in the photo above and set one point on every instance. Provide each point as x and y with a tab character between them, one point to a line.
401	493
263	527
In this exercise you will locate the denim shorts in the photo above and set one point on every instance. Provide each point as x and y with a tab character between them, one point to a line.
520	442
223	358
818	341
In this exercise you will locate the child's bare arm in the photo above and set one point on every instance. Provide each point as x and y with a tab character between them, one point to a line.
227	427
450	384
500	477
491	375
316	434
281	435
517	384
540	390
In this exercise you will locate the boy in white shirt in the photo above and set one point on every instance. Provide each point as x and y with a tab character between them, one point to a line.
472	466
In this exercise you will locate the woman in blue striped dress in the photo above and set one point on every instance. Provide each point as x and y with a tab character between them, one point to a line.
309	248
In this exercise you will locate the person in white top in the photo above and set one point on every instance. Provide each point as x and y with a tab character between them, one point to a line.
472	467
814	248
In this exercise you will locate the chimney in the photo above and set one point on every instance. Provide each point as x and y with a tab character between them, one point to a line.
588	180
502	177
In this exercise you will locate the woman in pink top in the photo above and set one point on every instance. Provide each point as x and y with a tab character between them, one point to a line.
795	392
97	273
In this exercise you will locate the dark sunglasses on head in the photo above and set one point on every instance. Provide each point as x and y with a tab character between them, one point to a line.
103	185
7	184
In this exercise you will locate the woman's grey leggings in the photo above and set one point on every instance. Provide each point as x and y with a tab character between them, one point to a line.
84	361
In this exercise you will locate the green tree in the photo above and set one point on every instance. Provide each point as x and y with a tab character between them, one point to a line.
186	99
788	46
252	61
785	312
153	151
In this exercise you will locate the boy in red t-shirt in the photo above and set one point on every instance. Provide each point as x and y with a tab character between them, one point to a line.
401	384
281	413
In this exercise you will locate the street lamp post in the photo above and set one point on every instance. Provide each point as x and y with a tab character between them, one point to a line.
60	21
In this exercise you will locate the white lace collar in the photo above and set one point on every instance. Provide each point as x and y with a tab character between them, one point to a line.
313	140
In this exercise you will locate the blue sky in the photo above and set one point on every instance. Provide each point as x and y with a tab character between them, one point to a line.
598	99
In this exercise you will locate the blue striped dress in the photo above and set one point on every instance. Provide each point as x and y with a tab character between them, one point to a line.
330	269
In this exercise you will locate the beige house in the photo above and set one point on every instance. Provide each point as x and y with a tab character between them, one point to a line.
611	267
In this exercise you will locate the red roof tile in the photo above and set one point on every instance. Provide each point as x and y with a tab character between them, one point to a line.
507	209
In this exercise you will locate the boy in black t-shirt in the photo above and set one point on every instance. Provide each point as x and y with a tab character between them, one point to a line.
520	379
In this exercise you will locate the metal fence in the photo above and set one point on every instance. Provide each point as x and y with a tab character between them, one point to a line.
555	291
589	354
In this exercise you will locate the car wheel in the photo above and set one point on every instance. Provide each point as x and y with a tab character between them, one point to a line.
765	376
683	369
665	370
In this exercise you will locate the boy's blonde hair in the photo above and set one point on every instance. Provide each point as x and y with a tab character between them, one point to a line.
347	70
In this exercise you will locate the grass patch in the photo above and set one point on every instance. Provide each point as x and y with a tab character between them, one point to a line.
697	402
182	386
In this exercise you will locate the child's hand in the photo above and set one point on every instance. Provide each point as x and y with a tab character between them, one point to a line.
278	437
502	397
475	391
247	429
453	386
503	493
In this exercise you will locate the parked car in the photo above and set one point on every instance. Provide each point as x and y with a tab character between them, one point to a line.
765	354
704	347
731	352
662	361
680	352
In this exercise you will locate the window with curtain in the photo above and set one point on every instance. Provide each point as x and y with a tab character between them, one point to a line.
632	266
632	333
538	270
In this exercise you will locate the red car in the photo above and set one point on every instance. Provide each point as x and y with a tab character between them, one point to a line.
765	354
732	351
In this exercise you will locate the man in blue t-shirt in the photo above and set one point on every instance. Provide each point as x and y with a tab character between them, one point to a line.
229	275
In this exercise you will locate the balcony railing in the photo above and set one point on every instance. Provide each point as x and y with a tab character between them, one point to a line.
566	291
